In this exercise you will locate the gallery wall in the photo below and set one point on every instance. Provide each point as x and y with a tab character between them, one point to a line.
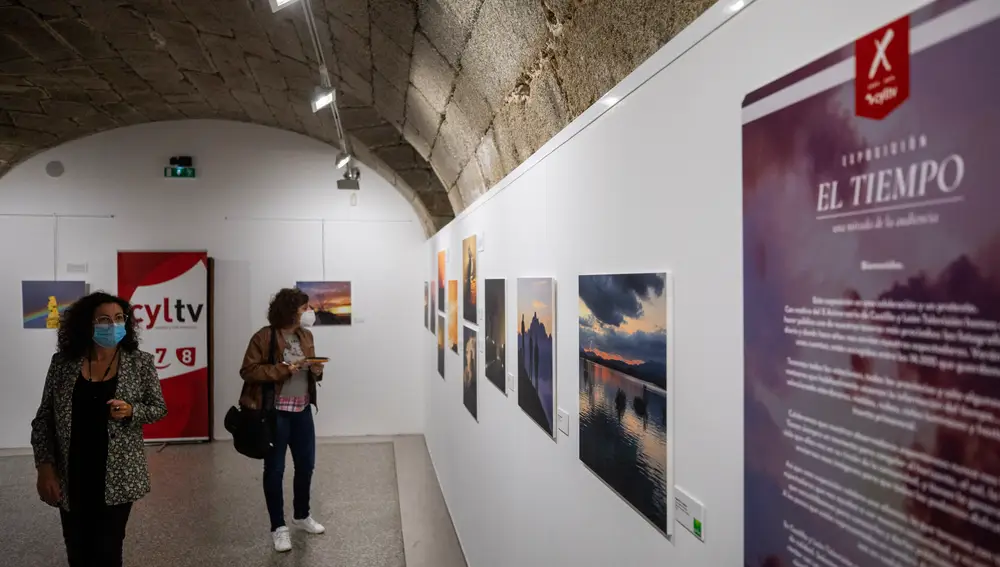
266	207
653	185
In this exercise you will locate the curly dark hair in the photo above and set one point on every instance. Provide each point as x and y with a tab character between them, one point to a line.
284	309
76	327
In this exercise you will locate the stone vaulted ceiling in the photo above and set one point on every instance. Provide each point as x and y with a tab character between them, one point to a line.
442	97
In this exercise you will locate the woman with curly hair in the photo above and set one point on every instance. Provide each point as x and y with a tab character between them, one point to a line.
87	434
278	380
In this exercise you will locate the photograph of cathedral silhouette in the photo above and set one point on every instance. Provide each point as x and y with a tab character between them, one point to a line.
536	357
453	315
495	304
469	291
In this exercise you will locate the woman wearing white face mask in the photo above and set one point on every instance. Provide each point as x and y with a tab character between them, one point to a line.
279	378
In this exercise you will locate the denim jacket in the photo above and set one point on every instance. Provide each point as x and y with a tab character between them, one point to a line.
139	385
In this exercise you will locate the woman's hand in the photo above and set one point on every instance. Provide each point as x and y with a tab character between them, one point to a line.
48	485
120	410
316	368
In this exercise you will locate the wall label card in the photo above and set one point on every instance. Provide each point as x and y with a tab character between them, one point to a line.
690	512
871	268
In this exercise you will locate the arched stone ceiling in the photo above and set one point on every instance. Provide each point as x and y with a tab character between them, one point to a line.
442	97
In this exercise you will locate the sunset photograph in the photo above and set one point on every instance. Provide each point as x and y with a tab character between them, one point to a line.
453	315
623	388
495	304
469	279
536	355
331	301
442	255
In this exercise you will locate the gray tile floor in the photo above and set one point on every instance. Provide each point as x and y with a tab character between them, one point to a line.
379	499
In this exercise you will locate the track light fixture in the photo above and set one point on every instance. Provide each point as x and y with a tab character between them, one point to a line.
351	180
323	98
343	159
279	4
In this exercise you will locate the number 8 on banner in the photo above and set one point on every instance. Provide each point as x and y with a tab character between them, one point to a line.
186	356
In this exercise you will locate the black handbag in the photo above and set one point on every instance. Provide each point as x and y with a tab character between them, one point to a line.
253	429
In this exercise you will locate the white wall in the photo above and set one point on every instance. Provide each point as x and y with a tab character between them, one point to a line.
655	184
248	174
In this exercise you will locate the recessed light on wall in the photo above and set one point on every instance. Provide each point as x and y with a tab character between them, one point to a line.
737	5
55	169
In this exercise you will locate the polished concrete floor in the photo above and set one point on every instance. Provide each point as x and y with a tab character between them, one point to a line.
378	498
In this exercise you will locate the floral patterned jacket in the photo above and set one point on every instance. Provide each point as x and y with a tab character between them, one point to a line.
139	385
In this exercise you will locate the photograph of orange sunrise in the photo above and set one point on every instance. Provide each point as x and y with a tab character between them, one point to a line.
331	301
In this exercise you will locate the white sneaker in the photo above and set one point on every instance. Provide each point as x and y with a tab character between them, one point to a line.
282	539
309	525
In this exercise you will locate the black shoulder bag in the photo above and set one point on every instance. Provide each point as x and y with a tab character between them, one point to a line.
253	429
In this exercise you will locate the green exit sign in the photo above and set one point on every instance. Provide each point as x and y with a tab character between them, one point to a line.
177	171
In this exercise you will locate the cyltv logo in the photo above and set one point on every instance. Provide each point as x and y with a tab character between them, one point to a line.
170	313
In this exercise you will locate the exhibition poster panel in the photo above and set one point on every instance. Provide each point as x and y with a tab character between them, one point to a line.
872	300
169	296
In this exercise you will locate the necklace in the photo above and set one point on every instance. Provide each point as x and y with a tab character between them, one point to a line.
90	367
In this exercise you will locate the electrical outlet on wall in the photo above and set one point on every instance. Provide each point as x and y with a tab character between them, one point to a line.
511	383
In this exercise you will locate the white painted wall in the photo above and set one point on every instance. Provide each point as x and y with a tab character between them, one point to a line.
654	184
246	173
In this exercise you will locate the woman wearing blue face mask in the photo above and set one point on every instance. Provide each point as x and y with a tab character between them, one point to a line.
87	435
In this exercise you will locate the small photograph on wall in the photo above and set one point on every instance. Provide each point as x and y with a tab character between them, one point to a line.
470	372
330	300
496	333
433	313
469	291
440	333
43	302
442	255
453	315
623	388
536	358
427	312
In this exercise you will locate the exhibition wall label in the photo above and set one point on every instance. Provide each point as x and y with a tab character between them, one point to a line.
169	296
871	268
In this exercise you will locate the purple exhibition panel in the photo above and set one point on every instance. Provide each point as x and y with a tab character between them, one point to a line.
872	301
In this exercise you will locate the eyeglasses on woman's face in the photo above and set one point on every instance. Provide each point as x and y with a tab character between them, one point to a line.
118	319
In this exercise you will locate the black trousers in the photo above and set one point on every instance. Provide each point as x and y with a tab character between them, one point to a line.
94	535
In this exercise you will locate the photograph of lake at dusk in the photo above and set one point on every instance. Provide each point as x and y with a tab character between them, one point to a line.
623	388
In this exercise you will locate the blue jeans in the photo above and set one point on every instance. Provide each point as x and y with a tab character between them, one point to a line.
293	430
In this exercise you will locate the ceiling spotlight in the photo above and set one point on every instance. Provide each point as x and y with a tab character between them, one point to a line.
737	6
322	99
609	101
351	180
343	158
279	4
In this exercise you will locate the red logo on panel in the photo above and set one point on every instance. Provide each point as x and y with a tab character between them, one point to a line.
882	70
